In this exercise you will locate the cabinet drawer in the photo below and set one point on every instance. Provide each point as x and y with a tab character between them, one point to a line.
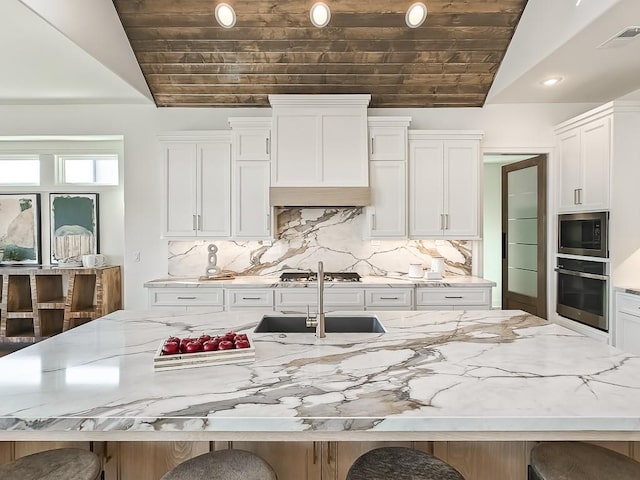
627	303
334	298
389	297
453	296
165	297
247	298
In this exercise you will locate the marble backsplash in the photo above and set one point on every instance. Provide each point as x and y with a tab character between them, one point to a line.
305	236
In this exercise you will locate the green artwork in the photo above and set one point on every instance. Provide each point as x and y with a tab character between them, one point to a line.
74	227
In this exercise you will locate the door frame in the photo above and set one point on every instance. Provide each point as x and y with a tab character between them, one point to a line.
540	161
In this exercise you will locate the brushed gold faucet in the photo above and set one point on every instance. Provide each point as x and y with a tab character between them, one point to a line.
319	320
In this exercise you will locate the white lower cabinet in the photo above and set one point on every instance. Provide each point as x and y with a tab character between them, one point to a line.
449	298
389	299
297	299
186	299
627	318
249	299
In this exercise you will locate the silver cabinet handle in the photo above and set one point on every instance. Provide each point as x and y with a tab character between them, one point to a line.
371	145
186	298
251	298
579	196
446	221
268	222
194	223
389	298
267	146
373	221
199	223
453	296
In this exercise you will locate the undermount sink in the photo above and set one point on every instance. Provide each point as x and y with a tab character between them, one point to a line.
333	324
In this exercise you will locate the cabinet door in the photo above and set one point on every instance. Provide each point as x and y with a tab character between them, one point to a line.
344	150
426	188
596	157
569	171
252	144
387	143
296	150
180	180
251	210
461	165
214	190
388	217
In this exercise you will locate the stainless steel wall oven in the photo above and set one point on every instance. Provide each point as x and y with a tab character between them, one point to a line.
583	291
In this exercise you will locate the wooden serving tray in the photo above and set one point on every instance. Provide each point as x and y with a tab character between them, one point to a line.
203	359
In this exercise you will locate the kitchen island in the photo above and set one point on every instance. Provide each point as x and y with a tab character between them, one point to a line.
439	375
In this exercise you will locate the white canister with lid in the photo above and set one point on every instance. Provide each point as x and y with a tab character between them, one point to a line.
416	270
437	265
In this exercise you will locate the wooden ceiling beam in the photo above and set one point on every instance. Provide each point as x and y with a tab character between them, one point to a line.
314	57
317	69
213	46
218	89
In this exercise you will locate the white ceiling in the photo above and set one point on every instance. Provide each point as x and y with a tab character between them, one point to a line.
76	51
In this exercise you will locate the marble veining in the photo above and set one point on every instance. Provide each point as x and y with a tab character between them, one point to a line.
306	235
439	371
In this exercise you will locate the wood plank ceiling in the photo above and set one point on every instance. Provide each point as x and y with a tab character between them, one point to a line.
188	60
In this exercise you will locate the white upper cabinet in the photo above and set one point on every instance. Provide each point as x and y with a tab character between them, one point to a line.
251	210
387	215
444	184
197	185
585	156
252	214
251	138
319	140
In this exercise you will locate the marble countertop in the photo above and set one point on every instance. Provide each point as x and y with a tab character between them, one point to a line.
631	289
502	375
273	281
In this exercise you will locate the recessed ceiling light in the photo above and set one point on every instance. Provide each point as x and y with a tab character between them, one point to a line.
320	14
550	82
416	15
225	15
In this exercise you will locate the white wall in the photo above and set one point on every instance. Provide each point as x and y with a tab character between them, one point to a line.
506	127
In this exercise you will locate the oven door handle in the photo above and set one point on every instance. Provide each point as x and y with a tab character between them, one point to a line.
593	276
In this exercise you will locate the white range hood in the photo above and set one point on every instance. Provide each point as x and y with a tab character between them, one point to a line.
319	153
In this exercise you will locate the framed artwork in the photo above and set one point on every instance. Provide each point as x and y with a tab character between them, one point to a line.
74	227
20	229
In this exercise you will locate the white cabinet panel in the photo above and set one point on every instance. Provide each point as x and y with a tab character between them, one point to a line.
248	299
251	144
387	143
584	172
214	190
334	299
443	185
389	299
197	186
426	188
627	322
388	213
461	188
454	297
319	140
251	210
180	182
186	299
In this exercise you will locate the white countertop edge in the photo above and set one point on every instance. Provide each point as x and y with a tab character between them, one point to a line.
366	282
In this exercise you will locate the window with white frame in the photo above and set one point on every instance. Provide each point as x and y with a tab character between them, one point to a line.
87	169
19	169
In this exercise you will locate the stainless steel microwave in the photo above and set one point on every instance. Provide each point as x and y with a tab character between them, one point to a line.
584	234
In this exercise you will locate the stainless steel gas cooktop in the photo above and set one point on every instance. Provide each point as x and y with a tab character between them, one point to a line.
313	277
